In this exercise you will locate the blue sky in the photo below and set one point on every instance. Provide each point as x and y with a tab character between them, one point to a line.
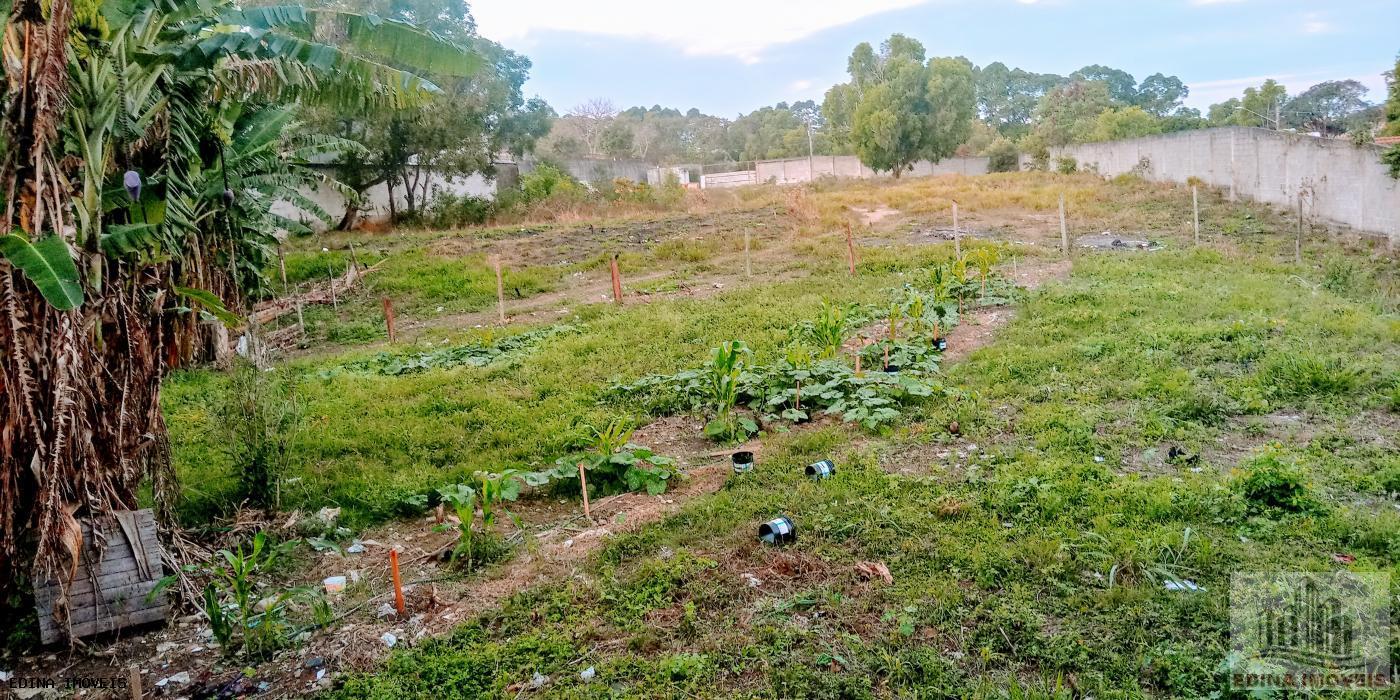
733	56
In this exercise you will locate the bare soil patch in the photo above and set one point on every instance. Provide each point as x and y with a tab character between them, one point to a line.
181	659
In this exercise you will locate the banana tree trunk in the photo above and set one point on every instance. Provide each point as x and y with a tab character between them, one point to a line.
80	387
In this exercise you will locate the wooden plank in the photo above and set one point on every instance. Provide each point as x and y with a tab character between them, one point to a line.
108	592
129	597
142	617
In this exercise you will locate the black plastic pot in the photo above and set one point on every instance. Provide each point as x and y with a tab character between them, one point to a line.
821	470
743	462
942	344
779	530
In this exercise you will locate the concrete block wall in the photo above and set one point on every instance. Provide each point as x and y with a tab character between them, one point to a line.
795	170
1339	182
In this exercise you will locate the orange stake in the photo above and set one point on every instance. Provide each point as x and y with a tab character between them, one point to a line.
616	280
398	586
583	486
389	318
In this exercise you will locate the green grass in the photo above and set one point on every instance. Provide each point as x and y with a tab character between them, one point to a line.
371	441
1031	567
1002	569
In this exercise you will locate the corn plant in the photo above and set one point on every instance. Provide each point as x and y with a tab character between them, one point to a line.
243	617
827	332
721	383
984	258
489	491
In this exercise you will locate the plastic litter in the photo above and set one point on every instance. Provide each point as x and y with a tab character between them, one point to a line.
1183	585
334	584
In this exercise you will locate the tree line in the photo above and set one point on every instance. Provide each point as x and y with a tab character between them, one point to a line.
899	105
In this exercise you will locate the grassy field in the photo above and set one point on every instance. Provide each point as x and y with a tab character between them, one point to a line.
1180	414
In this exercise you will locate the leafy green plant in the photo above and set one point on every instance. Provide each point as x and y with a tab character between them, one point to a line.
984	258
488	492
827	332
614	461
244	616
721	384
478	354
1271	483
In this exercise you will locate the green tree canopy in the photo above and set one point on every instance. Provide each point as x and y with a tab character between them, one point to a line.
905	109
1125	123
1327	107
1069	113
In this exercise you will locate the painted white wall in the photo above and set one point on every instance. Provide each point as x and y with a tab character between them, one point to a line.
376	205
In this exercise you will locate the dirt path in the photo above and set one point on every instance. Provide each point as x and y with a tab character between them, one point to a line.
979	328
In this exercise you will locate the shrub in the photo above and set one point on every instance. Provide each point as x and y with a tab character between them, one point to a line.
1268	482
547	180
262	417
1392	160
1066	165
456	211
1002	157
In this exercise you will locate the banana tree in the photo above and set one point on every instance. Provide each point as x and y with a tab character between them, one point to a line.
142	145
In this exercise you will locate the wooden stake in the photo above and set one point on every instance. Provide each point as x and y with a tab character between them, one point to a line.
1196	214
301	322
398	585
957	239
133	682
354	261
282	266
1298	242
330	277
857	354
583	486
1064	230
850	249
500	291
797	400
616	280
887	357
748	270
389	319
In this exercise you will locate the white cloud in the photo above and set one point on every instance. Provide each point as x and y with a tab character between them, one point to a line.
740	29
1313	23
798	86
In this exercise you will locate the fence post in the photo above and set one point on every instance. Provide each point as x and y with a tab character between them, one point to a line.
1196	213
330	277
748	269
1298	242
500	290
957	238
850	250
1064	230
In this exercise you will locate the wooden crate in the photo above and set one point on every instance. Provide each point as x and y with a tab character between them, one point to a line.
110	589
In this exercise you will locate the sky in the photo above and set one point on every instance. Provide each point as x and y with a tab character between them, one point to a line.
728	57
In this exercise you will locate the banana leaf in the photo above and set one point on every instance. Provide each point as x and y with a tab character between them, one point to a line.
49	265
